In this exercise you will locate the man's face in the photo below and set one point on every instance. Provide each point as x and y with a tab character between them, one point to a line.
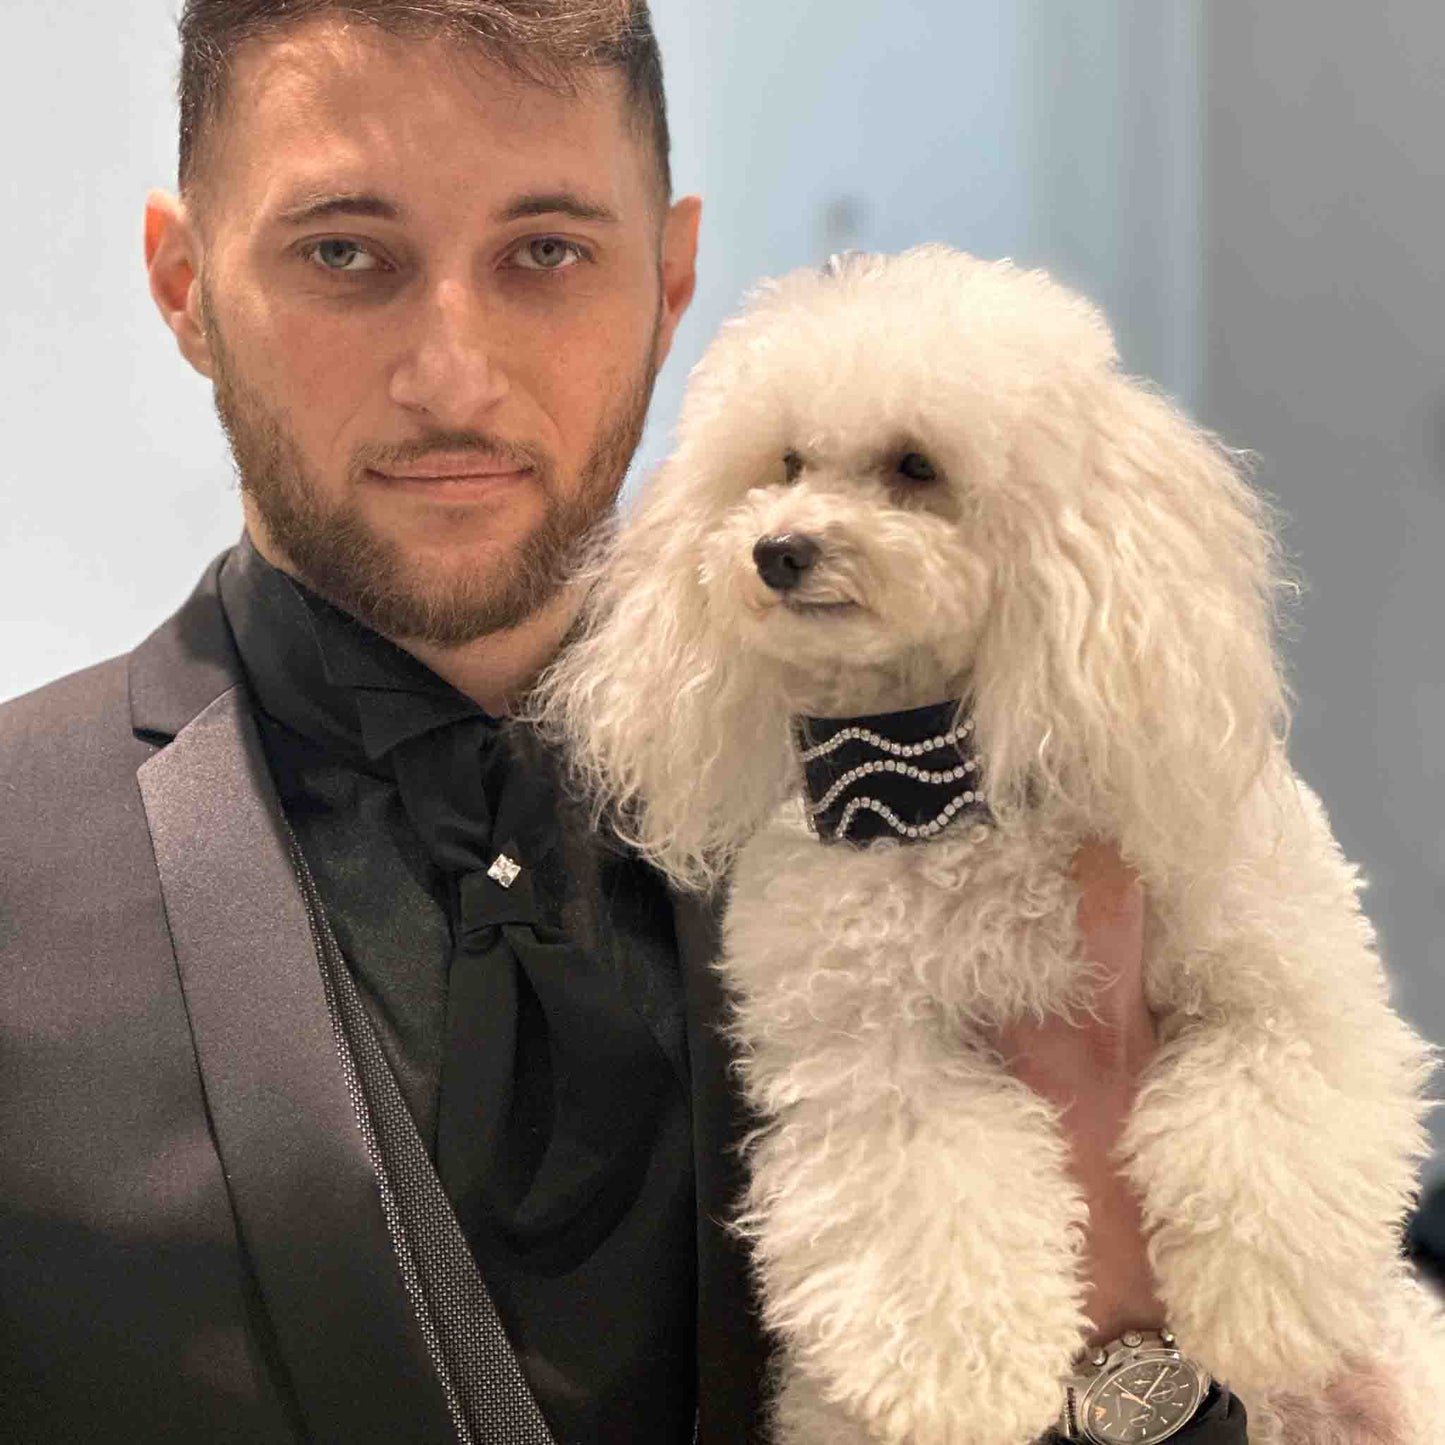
433	299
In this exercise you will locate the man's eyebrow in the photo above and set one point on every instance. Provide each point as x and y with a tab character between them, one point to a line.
556	203
320	206
339	203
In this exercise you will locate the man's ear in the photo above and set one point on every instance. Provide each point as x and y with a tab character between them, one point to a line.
679	267
173	263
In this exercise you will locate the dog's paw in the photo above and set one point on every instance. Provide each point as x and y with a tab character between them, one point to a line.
1361	1406
803	1416
807	1413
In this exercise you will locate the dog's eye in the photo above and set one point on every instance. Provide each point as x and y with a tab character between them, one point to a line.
916	467
792	466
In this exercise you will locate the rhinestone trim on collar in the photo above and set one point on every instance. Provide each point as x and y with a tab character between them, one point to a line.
888	745
888	765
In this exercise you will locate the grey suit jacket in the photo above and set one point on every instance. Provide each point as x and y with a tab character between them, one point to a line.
191	1239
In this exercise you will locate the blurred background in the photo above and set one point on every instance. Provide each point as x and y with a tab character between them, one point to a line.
1254	193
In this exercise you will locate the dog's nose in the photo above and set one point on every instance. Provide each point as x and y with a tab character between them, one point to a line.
783	560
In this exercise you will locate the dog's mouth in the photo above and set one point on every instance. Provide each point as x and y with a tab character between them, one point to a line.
805	608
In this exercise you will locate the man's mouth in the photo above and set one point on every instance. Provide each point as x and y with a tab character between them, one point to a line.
454	476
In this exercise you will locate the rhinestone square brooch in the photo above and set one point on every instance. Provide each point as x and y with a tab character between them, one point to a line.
505	870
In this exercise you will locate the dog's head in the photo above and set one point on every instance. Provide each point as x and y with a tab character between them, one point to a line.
919	477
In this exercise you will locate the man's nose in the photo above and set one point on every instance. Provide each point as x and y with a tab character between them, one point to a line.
783	561
452	371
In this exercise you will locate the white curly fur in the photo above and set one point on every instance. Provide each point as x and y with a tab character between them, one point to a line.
1092	576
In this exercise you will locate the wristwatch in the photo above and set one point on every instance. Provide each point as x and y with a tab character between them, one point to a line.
1136	1390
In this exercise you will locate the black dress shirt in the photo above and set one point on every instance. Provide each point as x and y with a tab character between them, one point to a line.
535	1027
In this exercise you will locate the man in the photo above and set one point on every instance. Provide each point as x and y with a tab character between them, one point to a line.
428	256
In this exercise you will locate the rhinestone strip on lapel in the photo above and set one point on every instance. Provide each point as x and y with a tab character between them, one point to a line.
904	775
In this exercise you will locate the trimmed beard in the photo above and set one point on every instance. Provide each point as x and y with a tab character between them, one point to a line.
338	554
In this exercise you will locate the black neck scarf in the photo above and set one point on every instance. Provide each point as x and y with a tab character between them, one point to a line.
530	1147
904	775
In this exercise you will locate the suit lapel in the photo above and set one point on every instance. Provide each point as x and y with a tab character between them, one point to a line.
306	1199
185	664
732	1349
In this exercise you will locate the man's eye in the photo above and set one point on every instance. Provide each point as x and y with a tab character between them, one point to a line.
342	256
548	253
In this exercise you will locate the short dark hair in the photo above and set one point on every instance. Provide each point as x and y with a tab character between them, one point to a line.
547	42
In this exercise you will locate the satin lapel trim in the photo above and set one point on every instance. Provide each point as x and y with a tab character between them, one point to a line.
306	1199
732	1351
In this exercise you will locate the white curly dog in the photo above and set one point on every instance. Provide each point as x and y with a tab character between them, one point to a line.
921	478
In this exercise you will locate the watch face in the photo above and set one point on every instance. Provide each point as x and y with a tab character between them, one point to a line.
1144	1401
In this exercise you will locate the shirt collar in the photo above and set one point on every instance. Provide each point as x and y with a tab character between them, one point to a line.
325	675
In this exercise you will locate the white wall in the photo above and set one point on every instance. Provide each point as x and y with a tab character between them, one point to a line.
1325	306
114	487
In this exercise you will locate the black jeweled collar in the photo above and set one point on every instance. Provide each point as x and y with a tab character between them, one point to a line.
904	775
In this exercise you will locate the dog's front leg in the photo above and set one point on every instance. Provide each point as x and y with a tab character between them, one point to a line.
1275	1139
1273	1199
919	1244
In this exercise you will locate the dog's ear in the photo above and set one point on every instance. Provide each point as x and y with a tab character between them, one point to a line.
672	733
1129	666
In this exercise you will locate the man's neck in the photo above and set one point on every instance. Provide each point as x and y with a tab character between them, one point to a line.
496	670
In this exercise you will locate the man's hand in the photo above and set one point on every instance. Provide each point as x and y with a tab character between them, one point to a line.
1090	1069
